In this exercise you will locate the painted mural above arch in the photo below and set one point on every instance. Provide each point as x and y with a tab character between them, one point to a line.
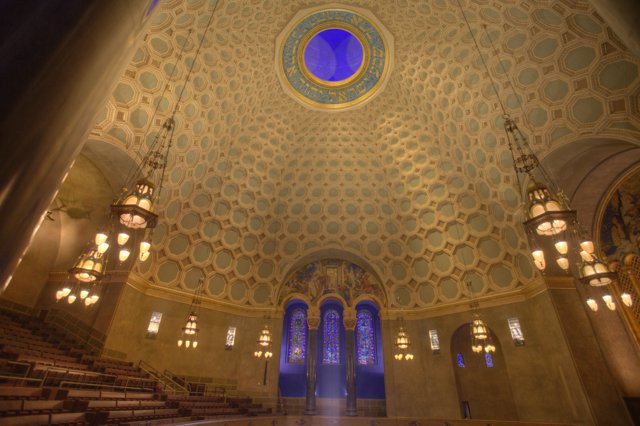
331	277
618	225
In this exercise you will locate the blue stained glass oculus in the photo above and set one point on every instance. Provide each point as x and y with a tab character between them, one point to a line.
365	338
297	337
331	337
333	55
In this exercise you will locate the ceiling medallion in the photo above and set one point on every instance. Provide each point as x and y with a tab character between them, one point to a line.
334	57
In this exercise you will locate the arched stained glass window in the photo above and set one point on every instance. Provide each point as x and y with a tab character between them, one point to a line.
365	338
297	337
331	337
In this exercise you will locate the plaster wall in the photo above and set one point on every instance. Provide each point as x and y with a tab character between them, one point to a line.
543	379
544	383
128	334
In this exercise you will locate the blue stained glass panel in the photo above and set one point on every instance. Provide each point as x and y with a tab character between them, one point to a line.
488	359
333	54
460	360
297	337
331	337
365	338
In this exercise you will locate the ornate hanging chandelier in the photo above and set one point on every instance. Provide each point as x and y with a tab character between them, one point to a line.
402	344
189	337
131	218
551	225
481	336
264	344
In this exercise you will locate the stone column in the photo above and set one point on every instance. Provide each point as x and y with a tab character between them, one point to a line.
623	16
313	321
56	93
349	319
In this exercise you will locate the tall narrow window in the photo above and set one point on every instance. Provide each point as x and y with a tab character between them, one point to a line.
488	359
516	331
331	337
231	338
435	341
154	325
297	337
365	338
460	360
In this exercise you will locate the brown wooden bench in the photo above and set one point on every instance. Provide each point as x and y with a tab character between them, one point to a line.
15	392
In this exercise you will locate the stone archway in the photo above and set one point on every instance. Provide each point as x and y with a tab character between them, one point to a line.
484	389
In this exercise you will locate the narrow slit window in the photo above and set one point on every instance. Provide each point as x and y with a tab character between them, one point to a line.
231	338
434	340
154	325
488	359
516	331
460	360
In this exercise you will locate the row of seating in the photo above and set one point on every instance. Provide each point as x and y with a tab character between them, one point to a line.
48	380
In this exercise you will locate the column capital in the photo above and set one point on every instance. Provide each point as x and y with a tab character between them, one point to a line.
349	318
313	318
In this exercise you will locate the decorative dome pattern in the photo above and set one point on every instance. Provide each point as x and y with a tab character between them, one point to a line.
417	182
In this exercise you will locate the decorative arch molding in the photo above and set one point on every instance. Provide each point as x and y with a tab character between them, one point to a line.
332	273
586	168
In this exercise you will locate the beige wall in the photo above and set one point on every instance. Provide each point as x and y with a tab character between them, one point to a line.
210	359
544	383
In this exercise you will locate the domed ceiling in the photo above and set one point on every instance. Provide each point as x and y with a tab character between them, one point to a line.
416	184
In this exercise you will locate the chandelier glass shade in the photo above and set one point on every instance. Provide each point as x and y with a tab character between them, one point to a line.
90	265
546	214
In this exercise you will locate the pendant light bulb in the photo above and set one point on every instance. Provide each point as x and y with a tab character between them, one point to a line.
562	247
101	237
608	300
593	305
626	299
145	246
103	247
123	255
123	237
84	294
563	262
71	298
587	246
538	259
144	255
586	256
